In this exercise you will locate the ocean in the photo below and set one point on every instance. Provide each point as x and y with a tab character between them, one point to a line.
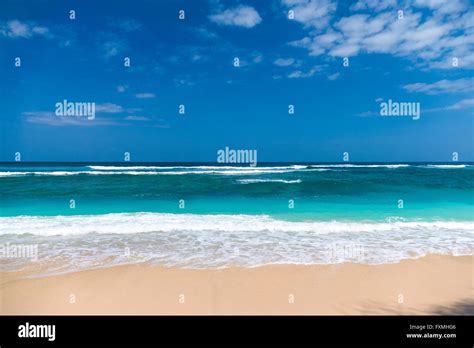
89	215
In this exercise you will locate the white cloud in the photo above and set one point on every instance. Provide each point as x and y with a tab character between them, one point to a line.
430	34
334	76
442	6
183	82
136	118
17	29
204	33
145	95
39	114
110	45
442	86
243	16
318	44
50	119
258	58
376	5
297	74
345	50
312	13
460	105
360	25
284	62
463	104
111	48
196	56
40	30
367	114
128	25
109	108
122	88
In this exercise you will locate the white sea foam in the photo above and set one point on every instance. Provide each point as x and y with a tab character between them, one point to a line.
194	167
446	166
391	166
242	168
256	181
216	170
209	241
129	167
120	223
79	172
234	171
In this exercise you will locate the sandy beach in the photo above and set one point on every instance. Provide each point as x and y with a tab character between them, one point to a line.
429	285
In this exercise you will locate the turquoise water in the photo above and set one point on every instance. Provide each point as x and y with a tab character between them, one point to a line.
318	193
198	215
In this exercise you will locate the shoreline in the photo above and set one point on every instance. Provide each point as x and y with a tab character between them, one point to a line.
434	284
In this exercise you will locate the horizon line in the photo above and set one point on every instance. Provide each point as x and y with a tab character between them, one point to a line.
233	164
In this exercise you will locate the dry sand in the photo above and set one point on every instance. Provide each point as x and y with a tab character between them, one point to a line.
429	285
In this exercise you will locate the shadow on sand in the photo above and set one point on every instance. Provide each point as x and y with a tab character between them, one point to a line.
463	307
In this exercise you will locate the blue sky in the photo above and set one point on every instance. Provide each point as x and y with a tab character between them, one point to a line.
283	61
